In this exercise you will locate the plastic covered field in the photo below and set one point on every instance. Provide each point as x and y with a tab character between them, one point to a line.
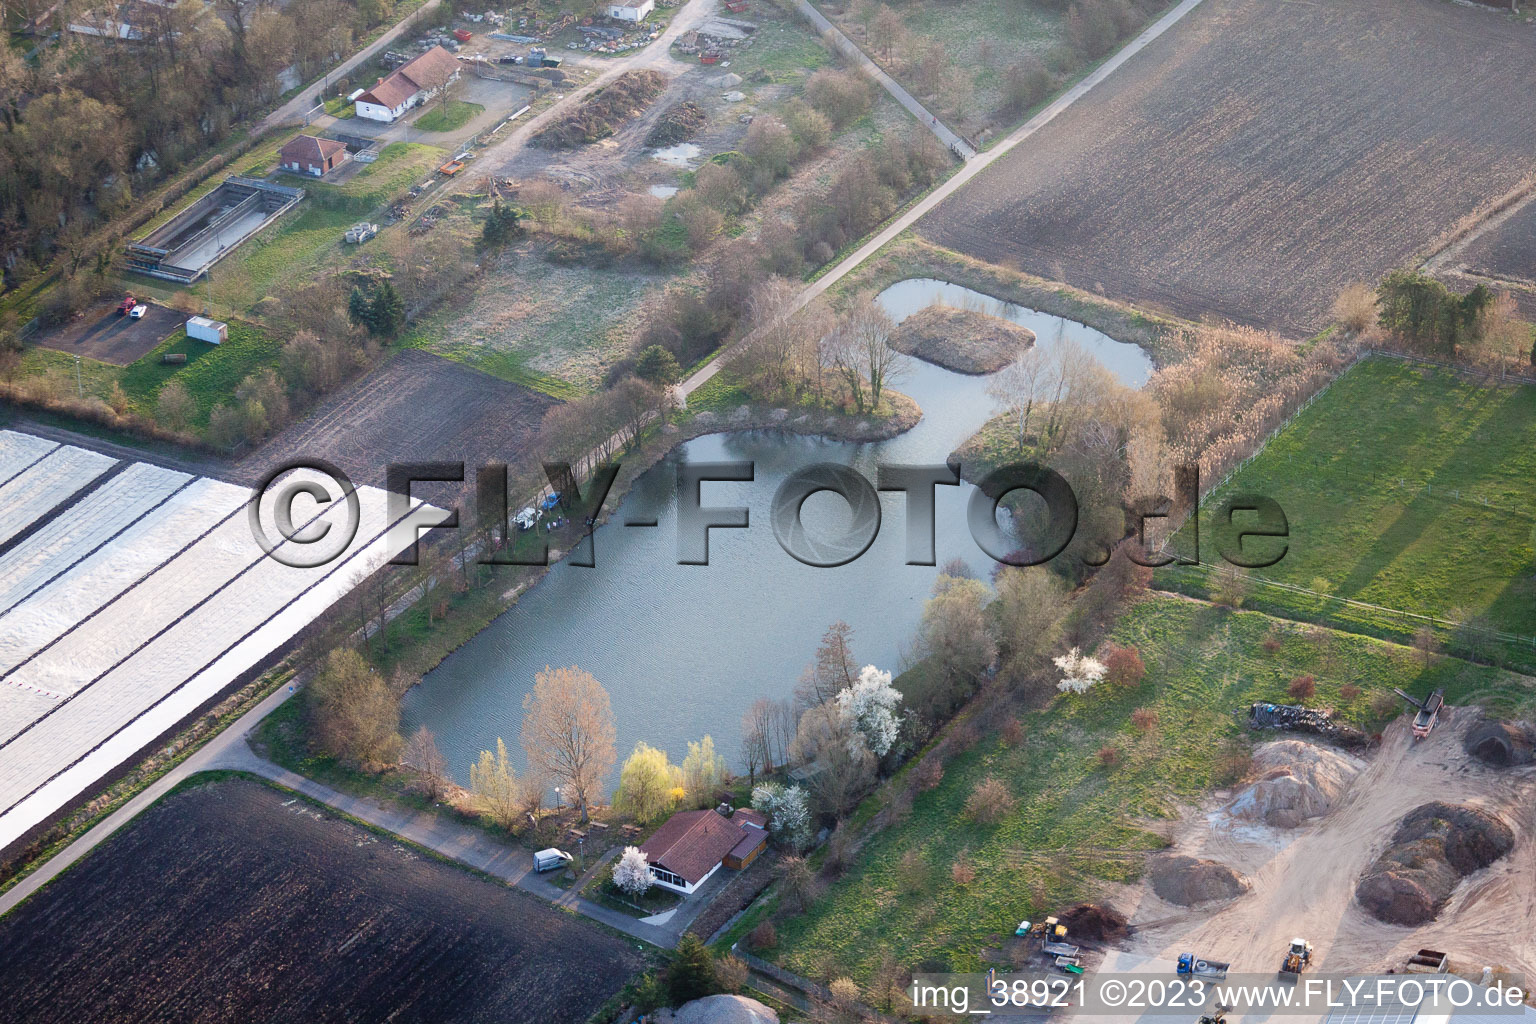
46	484
18	451
86	527
136	605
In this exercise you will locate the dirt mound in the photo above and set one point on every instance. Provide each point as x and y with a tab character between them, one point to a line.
601	115
1190	881
1095	923
1504	744
1294	780
1435	846
962	340
677	123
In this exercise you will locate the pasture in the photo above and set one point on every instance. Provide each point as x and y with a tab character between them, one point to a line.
1407	487
233	901
1255	159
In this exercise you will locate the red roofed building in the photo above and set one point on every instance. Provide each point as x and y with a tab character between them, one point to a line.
307	154
409	85
692	845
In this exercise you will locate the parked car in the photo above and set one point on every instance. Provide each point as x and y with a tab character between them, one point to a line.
137	312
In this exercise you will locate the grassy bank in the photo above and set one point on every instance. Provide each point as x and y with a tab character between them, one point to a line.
1079	823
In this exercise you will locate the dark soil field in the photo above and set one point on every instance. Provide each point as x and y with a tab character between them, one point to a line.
1260	155
237	902
1507	252
414	408
100	333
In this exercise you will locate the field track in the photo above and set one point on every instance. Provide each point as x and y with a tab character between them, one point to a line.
1260	155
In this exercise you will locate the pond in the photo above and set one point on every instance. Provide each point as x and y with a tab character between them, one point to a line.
684	650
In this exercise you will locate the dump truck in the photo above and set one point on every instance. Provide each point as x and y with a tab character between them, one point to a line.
1428	711
1297	957
1428	961
1200	967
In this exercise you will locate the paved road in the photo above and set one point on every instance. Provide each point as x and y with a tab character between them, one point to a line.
953	142
292	112
972	168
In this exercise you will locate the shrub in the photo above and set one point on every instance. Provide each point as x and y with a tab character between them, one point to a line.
1123	667
1012	732
731	973
1302	688
764	936
962	871
928	774
1109	756
1230	589
1355	308
1144	719
1349	691
1272	644
844	96
845	993
1025	84
990	802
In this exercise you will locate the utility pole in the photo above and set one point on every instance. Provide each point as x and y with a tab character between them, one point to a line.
79	387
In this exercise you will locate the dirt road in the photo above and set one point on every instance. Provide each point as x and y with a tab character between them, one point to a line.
495	158
1304	879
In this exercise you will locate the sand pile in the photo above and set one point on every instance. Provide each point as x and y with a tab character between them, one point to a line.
722	1010
1435	846
962	340
1294	780
1503	744
1095	923
1190	881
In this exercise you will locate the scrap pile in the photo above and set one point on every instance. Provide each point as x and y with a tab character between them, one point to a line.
1293	718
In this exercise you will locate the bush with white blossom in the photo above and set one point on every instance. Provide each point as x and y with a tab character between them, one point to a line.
1079	671
632	874
869	705
788	813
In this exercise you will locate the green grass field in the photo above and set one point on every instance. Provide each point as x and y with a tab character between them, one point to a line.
450	117
1406	487
1077	823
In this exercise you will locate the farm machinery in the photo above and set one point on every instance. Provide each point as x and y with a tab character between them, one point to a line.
1428	711
1297	957
1052	935
1218	1015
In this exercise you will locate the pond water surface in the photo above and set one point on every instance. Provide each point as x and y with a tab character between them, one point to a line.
684	650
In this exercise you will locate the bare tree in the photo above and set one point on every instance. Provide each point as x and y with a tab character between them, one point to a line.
833	670
355	710
431	768
568	731
1021	385
757	738
861	353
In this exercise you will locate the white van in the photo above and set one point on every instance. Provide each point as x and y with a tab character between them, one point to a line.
548	860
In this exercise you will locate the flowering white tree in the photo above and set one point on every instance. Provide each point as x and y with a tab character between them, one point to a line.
788	813
1079	671
869	705
632	874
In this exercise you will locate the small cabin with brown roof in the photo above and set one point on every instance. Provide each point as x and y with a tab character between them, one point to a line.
306	154
692	845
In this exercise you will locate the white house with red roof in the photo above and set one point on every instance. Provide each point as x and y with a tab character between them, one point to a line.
409	85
